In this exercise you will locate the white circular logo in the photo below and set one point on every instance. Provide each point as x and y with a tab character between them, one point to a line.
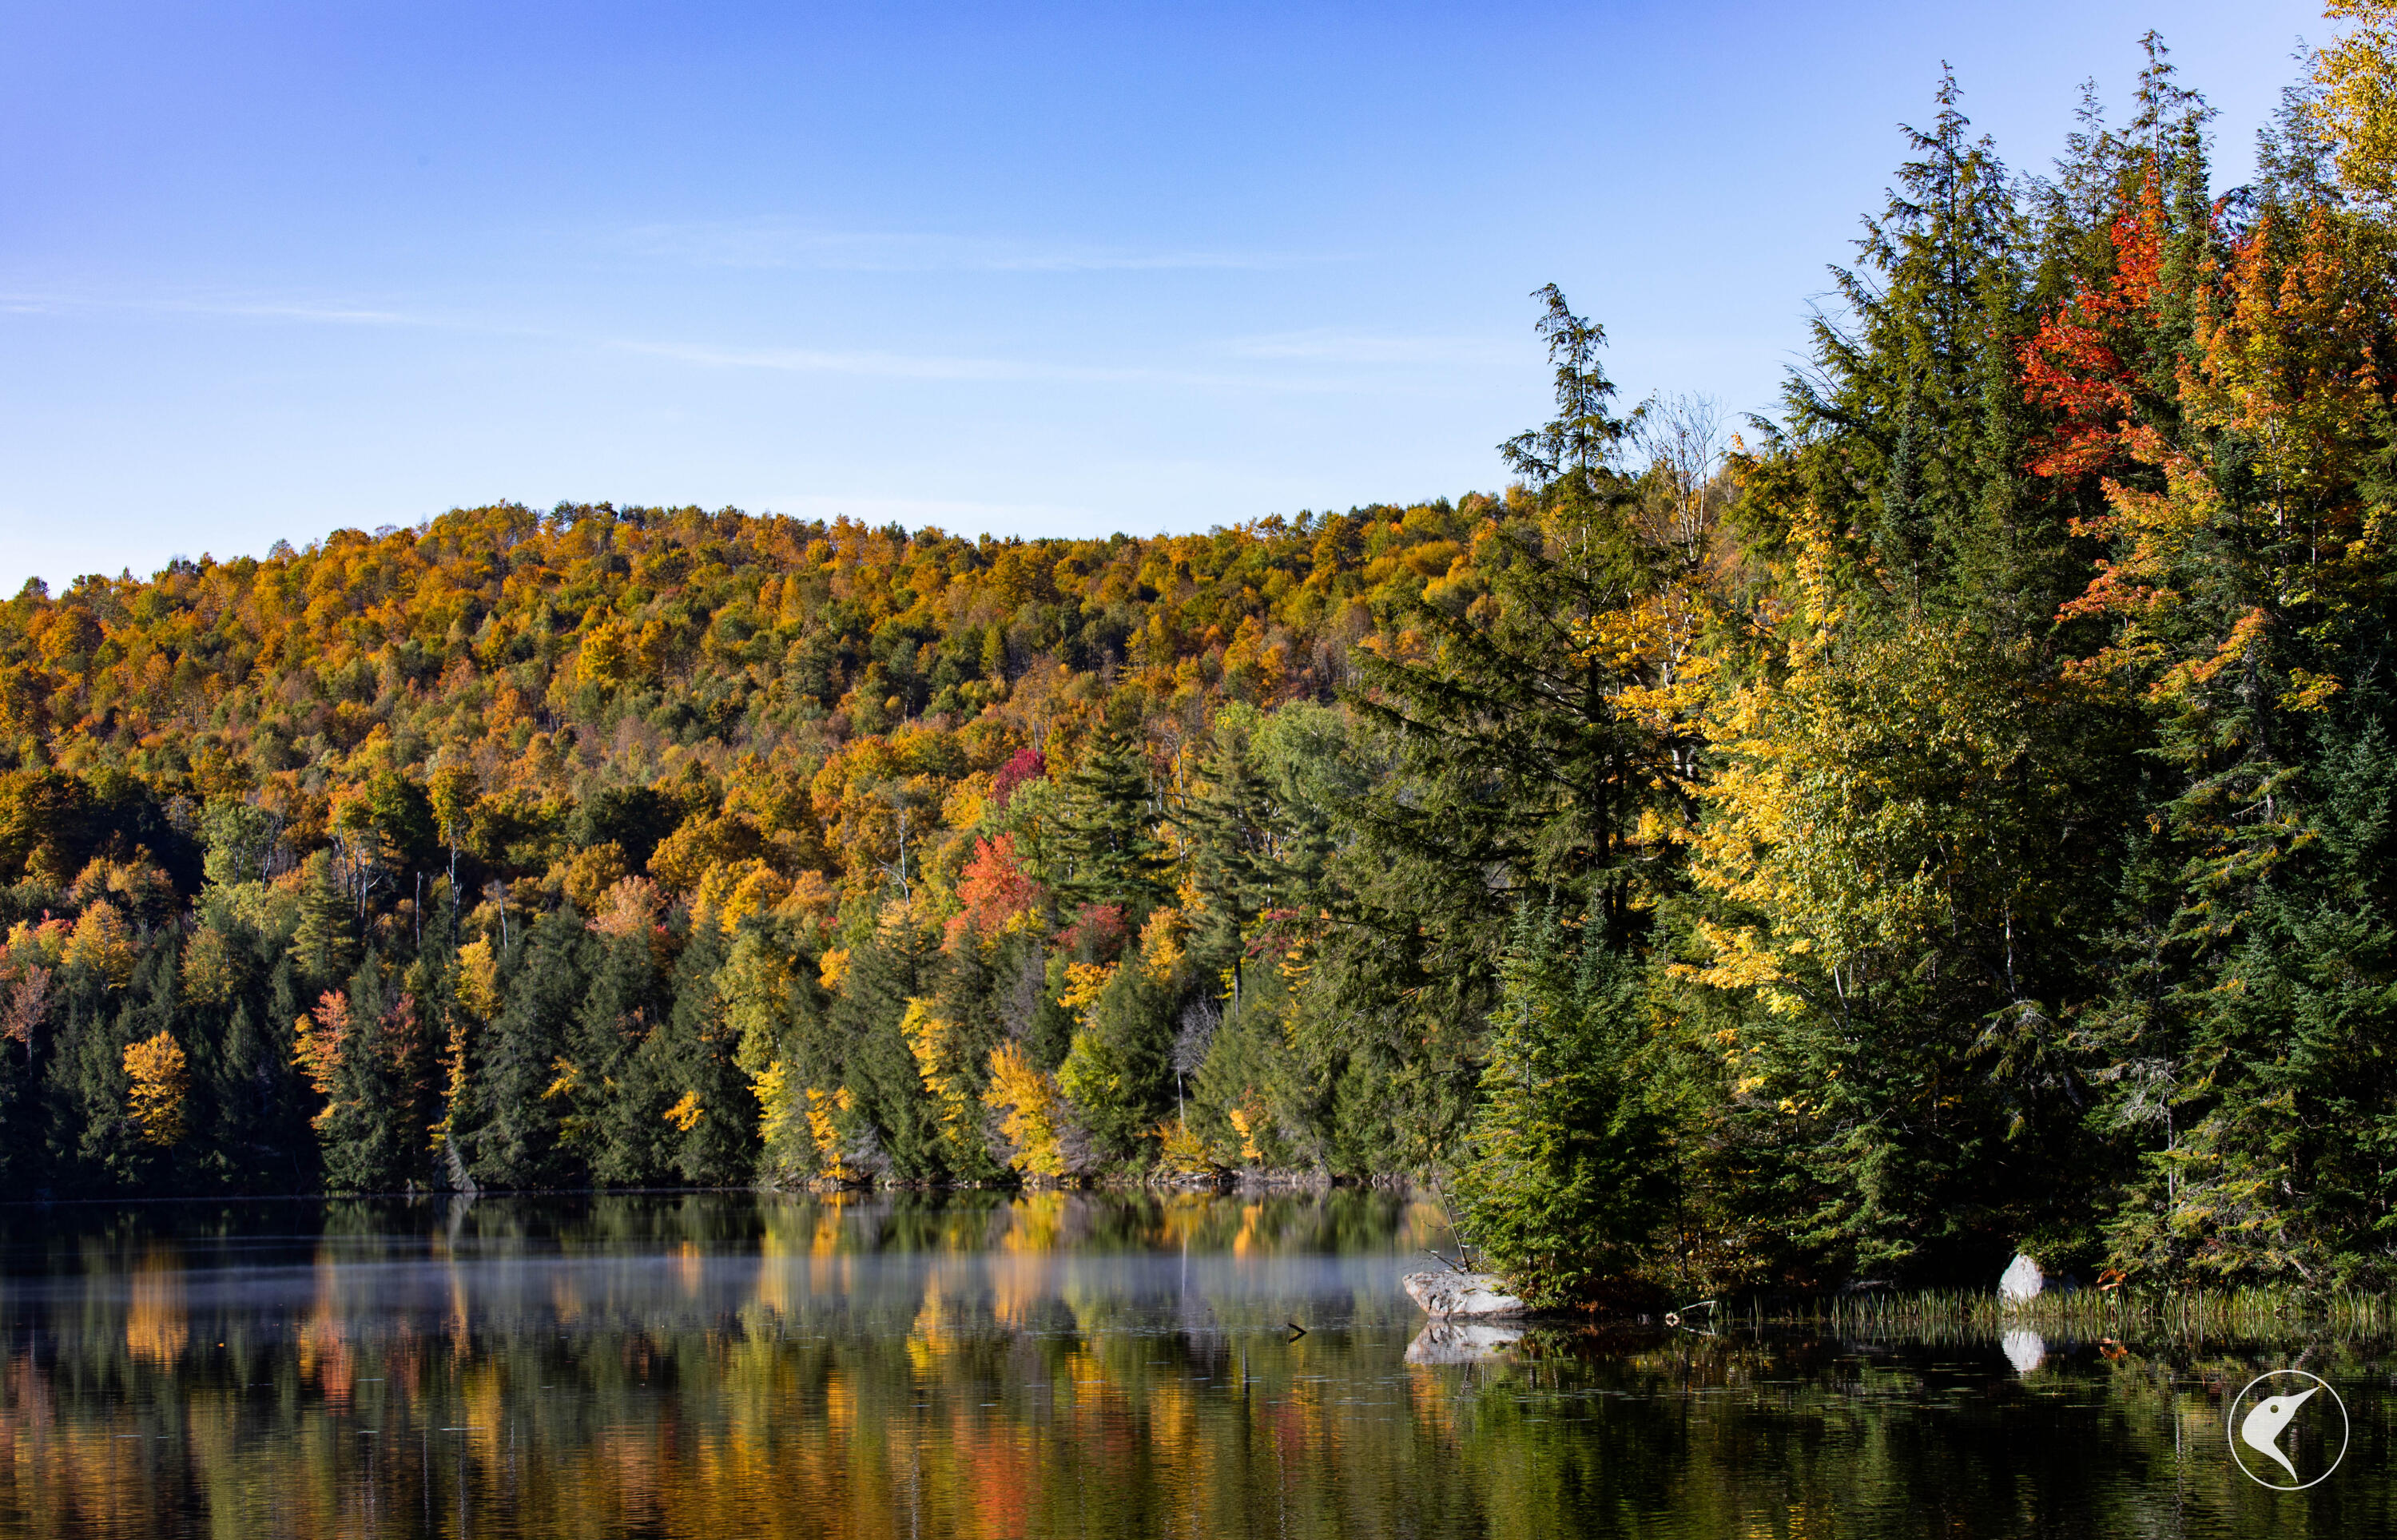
2288	1430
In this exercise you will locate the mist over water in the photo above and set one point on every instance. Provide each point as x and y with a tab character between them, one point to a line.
997	1365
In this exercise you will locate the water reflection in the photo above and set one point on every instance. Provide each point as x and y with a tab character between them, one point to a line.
1463	1342
1046	1364
2025	1350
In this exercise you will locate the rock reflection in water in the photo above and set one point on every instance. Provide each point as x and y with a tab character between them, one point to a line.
730	1365
2025	1350
1463	1342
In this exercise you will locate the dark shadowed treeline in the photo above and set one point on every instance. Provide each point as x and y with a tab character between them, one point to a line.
1955	817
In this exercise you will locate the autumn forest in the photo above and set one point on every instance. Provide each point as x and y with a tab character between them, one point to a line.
1956	816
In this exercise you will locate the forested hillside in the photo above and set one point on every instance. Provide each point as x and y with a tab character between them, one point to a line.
1955	816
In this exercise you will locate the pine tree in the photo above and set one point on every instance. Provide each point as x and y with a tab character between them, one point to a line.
1563	1181
1105	847
1512	773
1230	822
710	1119
885	971
1895	402
614	1101
514	1138
325	945
2279	1117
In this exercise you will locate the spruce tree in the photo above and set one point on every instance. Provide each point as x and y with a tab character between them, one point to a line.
886	970
325	945
1105	847
514	1138
709	1119
1894	409
1564	1180
615	1102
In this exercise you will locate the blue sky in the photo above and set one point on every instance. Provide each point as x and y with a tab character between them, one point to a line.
268	271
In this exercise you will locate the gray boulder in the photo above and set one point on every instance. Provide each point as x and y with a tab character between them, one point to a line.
1462	1296
2023	1281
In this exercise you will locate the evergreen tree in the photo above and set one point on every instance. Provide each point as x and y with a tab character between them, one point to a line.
885	972
325	945
710	1117
514	1137
1895	405
1106	849
1563	1180
616	1101
1513	774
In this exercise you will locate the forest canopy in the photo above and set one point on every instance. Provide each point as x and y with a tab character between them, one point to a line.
1952	818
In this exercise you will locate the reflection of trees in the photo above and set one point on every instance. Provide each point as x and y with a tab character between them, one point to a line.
998	1365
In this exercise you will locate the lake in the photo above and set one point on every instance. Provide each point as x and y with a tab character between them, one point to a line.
719	1365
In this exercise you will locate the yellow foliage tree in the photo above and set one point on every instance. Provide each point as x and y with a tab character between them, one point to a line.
1033	1114
478	978
160	1080
209	972
687	1112
934	1041
102	944
825	1112
1181	1151
2358	77
590	873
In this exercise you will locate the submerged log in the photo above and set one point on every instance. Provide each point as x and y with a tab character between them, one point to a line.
1462	1296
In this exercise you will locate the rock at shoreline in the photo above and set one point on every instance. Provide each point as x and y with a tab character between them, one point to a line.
2023	1281
1462	1342
1462	1296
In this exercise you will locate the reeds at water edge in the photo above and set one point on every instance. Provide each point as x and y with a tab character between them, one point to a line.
2189	1315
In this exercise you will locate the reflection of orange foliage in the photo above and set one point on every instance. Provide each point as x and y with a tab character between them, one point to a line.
1432	1397
1000	1478
157	1326
941	1415
1247	1241
324	1346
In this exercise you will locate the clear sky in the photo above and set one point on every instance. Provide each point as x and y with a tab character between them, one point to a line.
268	271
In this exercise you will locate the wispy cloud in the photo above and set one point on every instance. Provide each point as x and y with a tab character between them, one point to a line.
765	244
262	310
1305	363
1323	346
936	367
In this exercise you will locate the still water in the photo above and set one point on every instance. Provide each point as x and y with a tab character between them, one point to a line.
719	1365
